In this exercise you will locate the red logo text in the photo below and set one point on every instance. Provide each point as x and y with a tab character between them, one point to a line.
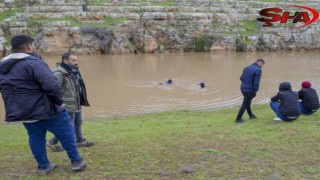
272	15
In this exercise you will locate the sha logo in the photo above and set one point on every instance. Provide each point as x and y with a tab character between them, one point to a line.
272	15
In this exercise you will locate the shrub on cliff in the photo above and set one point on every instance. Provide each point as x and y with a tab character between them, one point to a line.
104	36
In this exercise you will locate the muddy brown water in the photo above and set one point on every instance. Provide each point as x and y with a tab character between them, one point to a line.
122	85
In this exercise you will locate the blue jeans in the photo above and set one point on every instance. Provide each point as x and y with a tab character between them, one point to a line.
276	108
304	110
76	120
62	128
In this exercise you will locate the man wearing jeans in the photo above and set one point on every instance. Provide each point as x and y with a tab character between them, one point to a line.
250	80
31	95
285	104
74	95
309	98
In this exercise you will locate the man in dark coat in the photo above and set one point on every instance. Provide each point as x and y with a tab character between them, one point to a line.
309	98
31	95
285	104
250	80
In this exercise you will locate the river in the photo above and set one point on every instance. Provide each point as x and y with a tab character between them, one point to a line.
124	85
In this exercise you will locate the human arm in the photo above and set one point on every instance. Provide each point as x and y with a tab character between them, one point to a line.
59	78
256	80
275	98
42	74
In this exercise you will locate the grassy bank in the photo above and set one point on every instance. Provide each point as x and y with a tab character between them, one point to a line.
180	145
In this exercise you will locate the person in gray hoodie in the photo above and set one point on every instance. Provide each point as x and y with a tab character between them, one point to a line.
285	104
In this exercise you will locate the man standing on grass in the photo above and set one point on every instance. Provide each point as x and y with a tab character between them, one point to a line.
250	80
32	96
74	95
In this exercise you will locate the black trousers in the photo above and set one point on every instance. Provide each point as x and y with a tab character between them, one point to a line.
247	98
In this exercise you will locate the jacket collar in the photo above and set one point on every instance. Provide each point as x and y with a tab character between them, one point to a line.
15	56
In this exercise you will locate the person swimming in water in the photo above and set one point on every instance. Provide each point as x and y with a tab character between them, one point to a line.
169	81
202	85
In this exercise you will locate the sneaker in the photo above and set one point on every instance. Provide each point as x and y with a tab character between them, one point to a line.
239	121
78	166
85	143
277	119
54	147
252	117
47	170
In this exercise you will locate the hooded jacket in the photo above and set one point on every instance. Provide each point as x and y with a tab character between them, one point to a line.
289	104
309	99
28	87
250	78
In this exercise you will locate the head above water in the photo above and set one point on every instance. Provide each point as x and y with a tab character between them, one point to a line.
306	84
169	81
202	85
70	59
260	62
22	44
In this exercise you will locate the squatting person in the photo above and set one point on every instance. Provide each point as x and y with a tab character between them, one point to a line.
285	104
309	98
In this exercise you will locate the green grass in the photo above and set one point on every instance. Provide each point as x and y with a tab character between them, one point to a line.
8	40
108	22
274	1
8	13
161	145
95	2
215	24
166	3
249	26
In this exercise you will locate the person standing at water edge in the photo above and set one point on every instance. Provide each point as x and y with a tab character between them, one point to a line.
250	80
74	94
31	95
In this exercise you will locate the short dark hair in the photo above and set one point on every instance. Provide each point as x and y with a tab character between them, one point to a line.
66	56
19	42
260	60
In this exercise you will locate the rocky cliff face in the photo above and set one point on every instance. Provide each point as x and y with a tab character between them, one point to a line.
120	26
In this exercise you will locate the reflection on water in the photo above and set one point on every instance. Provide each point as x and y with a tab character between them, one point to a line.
129	84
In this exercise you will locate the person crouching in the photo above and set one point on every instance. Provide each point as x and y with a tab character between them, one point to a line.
309	98
285	104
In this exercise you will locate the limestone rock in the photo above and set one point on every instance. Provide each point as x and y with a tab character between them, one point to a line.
121	45
2	45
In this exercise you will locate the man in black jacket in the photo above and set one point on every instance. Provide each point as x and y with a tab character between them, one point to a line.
31	95
309	99
285	104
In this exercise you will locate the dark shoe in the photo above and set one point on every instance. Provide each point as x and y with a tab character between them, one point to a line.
78	166
239	121
85	143
54	147
253	117
47	170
